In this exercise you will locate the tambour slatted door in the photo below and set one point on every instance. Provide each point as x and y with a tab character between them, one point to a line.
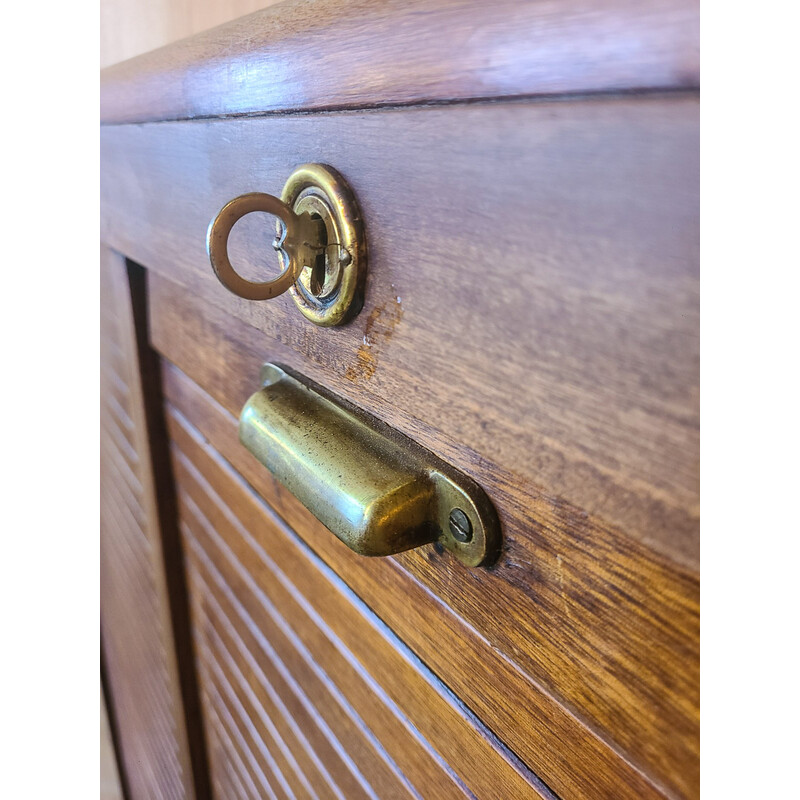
312	695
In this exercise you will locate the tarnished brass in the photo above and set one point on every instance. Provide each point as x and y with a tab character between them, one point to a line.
299	244
320	243
378	491
330	292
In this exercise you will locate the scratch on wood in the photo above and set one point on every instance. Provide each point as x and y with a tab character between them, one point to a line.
380	326
564	598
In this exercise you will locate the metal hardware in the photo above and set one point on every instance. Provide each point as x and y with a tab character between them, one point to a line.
374	488
460	526
331	291
320	243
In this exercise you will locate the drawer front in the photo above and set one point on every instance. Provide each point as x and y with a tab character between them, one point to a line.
531	317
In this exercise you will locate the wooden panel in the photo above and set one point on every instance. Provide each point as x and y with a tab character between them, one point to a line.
306	691
528	620
135	623
533	282
333	54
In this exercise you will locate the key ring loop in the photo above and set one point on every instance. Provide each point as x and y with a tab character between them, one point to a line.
217	245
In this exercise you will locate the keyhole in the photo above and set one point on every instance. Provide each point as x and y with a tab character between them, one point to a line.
319	269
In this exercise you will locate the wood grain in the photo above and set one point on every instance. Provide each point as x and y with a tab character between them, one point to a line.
532	291
591	620
295	661
140	661
326	54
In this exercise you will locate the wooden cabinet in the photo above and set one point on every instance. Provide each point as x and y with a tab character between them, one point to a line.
531	317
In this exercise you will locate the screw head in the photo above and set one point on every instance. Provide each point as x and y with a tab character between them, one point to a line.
460	526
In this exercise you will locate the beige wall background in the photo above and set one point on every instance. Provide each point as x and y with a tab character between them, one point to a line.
131	27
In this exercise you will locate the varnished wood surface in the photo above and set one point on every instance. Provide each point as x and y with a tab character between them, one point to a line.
574	619
533	282
326	54
135	618
306	692
531	316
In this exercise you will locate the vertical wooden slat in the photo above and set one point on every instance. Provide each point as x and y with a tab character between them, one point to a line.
140	661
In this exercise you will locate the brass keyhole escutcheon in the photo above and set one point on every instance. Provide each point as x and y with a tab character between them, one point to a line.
320	242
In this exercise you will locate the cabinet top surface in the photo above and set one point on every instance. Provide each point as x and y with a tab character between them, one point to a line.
317	55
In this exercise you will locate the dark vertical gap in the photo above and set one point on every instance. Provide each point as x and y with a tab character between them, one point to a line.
113	724
172	547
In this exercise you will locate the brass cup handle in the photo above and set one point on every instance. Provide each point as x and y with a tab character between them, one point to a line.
300	232
376	490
